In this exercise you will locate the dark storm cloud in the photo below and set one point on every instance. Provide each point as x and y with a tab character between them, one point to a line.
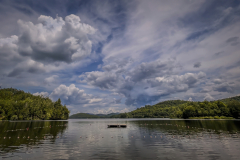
197	65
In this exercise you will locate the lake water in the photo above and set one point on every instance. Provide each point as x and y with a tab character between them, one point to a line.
142	139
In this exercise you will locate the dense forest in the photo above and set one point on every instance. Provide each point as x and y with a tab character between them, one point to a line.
221	109
18	105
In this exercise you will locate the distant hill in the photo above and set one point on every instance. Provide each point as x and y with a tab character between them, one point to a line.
223	108
228	100
107	115
89	115
83	115
228	107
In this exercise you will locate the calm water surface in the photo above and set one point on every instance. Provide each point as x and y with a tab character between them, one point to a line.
142	139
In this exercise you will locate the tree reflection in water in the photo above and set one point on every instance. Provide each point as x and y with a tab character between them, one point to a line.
13	135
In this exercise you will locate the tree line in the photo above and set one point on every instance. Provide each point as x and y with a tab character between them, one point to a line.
224	109
18	105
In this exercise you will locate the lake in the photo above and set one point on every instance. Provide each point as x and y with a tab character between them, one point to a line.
142	139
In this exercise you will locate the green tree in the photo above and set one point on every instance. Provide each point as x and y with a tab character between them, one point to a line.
189	111
18	105
234	107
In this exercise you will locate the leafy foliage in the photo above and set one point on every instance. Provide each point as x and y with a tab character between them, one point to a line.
18	105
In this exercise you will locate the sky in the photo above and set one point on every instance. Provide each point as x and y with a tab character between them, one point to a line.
118	55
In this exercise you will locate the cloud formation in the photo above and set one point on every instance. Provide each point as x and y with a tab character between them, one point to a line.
122	55
103	80
55	39
72	95
233	41
143	83
197	65
44	94
46	44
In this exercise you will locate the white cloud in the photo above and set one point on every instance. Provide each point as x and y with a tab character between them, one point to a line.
55	39
217	81
44	94
208	97
103	80
70	94
73	95
9	53
95	100
178	82
51	79
45	46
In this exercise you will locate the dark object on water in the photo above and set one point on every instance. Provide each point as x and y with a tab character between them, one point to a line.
117	126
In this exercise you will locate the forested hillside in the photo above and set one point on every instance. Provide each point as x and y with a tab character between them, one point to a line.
229	107
18	105
231	99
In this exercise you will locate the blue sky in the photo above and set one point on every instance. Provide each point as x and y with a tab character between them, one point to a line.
115	56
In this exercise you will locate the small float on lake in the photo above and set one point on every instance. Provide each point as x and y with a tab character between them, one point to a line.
117	125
